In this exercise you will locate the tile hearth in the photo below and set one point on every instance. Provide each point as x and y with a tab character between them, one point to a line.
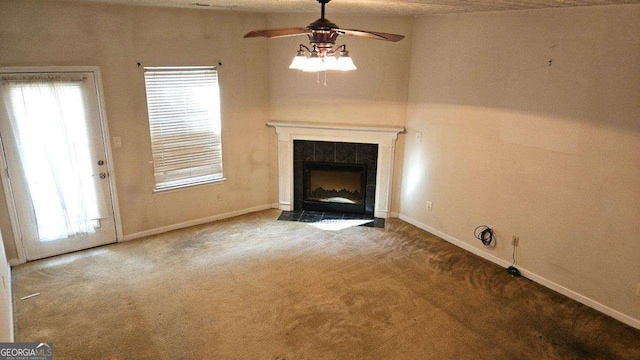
315	216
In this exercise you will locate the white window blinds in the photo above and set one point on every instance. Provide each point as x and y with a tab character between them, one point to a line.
184	118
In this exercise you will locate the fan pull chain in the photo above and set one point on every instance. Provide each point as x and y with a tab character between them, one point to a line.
318	78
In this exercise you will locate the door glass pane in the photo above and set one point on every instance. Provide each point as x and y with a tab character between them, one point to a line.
49	120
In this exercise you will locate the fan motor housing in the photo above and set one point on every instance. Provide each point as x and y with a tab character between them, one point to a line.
323	38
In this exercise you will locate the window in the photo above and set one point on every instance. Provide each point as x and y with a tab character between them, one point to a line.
184	118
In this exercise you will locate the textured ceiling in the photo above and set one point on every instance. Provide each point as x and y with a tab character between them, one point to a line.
369	7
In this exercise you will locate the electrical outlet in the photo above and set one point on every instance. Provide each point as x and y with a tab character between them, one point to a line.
418	136
429	205
219	196
515	240
117	142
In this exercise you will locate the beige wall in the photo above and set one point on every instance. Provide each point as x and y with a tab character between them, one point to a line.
375	94
115	38
550	153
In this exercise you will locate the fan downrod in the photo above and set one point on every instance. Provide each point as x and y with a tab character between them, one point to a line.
323	23
322	4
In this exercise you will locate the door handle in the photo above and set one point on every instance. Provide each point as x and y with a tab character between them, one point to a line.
100	162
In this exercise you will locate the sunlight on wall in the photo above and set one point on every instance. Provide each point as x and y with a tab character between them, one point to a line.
414	175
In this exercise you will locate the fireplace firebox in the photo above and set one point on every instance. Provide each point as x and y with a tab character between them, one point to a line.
335	187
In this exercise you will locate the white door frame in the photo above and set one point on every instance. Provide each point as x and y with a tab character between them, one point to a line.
17	235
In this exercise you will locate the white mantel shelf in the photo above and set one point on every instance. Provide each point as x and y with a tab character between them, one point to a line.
384	136
347	127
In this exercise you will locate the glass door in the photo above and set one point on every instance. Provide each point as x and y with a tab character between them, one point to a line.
55	151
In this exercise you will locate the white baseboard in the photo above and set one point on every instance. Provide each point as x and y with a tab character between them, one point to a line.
275	206
285	206
528	274
381	214
394	214
15	262
189	223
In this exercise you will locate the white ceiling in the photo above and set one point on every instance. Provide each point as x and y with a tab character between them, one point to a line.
369	7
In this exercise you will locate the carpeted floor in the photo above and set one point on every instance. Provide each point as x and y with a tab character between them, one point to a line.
253	287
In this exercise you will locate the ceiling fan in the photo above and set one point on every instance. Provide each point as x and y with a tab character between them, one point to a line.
322	35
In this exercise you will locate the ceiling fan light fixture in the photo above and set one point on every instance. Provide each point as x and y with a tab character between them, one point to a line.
322	35
322	60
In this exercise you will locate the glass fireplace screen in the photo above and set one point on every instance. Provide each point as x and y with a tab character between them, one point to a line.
334	187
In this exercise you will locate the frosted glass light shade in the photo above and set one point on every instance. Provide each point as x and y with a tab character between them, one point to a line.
330	63
314	64
344	63
298	63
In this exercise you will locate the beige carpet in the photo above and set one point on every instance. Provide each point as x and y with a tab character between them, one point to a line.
256	288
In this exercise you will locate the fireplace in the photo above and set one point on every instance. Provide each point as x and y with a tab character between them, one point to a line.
369	144
335	187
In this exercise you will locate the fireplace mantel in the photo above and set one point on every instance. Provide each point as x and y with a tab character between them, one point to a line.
384	136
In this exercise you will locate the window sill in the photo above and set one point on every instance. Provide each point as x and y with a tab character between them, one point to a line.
189	186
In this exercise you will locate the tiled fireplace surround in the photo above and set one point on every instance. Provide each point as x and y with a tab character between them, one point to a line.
329	140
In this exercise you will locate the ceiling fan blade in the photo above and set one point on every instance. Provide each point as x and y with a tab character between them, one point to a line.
370	34
276	33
